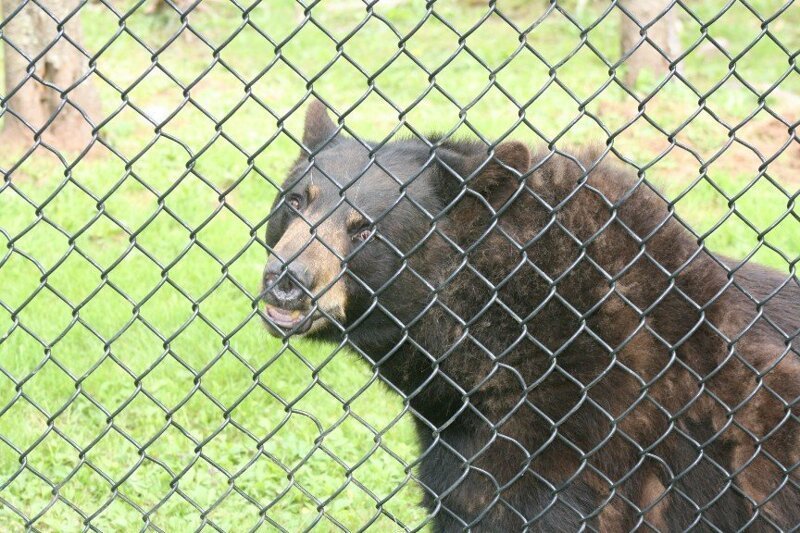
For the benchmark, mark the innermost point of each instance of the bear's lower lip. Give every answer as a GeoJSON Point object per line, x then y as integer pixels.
{"type": "Point", "coordinates": [289, 319]}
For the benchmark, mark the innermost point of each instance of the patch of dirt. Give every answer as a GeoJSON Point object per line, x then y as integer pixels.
{"type": "Point", "coordinates": [770, 137]}
{"type": "Point", "coordinates": [763, 134]}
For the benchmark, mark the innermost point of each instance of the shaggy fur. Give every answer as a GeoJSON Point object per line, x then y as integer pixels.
{"type": "Point", "coordinates": [573, 357]}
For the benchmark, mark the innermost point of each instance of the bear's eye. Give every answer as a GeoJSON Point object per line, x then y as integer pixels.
{"type": "Point", "coordinates": [295, 201]}
{"type": "Point", "coordinates": [361, 233]}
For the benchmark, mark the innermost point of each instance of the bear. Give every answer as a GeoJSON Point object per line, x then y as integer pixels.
{"type": "Point", "coordinates": [573, 356]}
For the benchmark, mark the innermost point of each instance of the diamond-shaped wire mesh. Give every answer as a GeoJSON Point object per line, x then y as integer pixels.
{"type": "Point", "coordinates": [577, 336]}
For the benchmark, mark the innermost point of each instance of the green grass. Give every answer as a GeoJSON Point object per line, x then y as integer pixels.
{"type": "Point", "coordinates": [138, 407]}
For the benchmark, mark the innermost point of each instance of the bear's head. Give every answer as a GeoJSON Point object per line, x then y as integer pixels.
{"type": "Point", "coordinates": [346, 233]}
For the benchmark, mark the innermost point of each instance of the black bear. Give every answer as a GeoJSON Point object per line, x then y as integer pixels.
{"type": "Point", "coordinates": [573, 356]}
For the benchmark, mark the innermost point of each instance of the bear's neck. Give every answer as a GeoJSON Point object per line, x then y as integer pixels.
{"type": "Point", "coordinates": [536, 290]}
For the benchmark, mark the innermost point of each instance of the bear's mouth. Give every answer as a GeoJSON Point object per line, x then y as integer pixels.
{"type": "Point", "coordinates": [290, 321]}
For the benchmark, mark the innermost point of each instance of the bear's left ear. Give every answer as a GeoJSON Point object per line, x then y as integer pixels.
{"type": "Point", "coordinates": [319, 129]}
{"type": "Point", "coordinates": [495, 178]}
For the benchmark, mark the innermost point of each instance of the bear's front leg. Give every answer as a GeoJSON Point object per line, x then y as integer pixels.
{"type": "Point", "coordinates": [474, 482]}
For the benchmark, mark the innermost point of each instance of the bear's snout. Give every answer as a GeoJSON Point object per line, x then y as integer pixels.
{"type": "Point", "coordinates": [286, 287]}
{"type": "Point", "coordinates": [286, 293]}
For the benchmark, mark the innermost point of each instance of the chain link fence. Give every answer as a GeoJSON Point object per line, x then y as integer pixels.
{"type": "Point", "coordinates": [463, 332]}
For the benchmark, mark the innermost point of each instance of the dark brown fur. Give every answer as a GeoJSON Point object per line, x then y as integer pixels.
{"type": "Point", "coordinates": [574, 357]}
{"type": "Point", "coordinates": [725, 388]}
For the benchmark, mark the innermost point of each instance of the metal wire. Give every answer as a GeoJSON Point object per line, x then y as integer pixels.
{"type": "Point", "coordinates": [110, 483]}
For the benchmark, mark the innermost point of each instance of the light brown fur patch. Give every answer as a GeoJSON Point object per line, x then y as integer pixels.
{"type": "Point", "coordinates": [320, 252]}
{"type": "Point", "coordinates": [650, 504]}
{"type": "Point", "coordinates": [354, 218]}
{"type": "Point", "coordinates": [313, 193]}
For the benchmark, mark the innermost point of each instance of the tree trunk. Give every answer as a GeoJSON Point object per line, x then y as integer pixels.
{"type": "Point", "coordinates": [159, 5]}
{"type": "Point", "coordinates": [36, 90]}
{"type": "Point", "coordinates": [664, 33]}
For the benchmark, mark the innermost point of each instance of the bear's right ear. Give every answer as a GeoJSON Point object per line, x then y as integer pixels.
{"type": "Point", "coordinates": [319, 129]}
{"type": "Point", "coordinates": [495, 178]}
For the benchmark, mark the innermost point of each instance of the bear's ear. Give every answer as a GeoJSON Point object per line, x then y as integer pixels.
{"type": "Point", "coordinates": [495, 178]}
{"type": "Point", "coordinates": [514, 154]}
{"type": "Point", "coordinates": [319, 128]}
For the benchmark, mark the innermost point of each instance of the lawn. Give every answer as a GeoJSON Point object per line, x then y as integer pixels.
{"type": "Point", "coordinates": [137, 385]}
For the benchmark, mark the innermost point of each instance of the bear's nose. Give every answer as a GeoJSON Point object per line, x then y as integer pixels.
{"type": "Point", "coordinates": [286, 285]}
